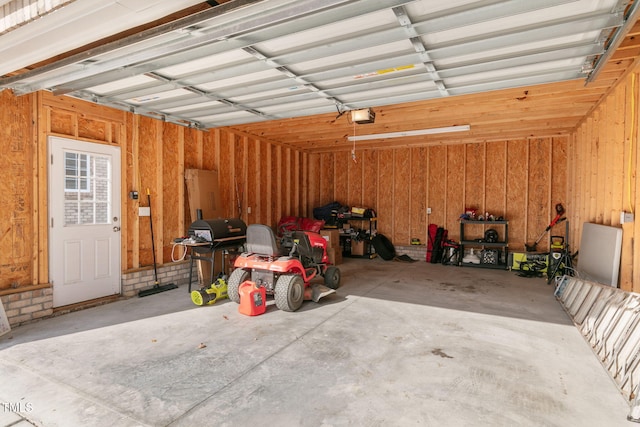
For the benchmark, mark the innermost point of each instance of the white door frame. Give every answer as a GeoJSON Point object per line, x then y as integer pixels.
{"type": "Point", "coordinates": [84, 259]}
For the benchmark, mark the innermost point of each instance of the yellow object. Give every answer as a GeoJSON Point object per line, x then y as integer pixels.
{"type": "Point", "coordinates": [217, 291]}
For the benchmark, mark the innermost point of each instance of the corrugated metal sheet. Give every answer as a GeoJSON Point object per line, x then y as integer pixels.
{"type": "Point", "coordinates": [248, 61]}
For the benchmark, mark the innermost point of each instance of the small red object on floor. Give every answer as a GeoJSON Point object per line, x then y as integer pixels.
{"type": "Point", "coordinates": [253, 299]}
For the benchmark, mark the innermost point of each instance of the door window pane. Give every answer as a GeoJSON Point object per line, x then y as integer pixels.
{"type": "Point", "coordinates": [87, 189]}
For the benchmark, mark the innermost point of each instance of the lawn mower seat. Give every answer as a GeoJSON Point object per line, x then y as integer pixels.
{"type": "Point", "coordinates": [261, 240]}
{"type": "Point", "coordinates": [308, 255]}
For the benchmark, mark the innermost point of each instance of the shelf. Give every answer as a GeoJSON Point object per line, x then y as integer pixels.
{"type": "Point", "coordinates": [502, 247]}
{"type": "Point", "coordinates": [485, 244]}
{"type": "Point", "coordinates": [365, 256]}
{"type": "Point", "coordinates": [499, 266]}
{"type": "Point", "coordinates": [473, 221]}
{"type": "Point", "coordinates": [367, 248]}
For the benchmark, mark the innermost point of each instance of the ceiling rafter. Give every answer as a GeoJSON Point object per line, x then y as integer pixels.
{"type": "Point", "coordinates": [420, 48]}
{"type": "Point", "coordinates": [295, 77]}
{"type": "Point", "coordinates": [104, 100]}
{"type": "Point", "coordinates": [212, 96]}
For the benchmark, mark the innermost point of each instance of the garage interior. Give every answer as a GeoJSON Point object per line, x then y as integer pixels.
{"type": "Point", "coordinates": [519, 106]}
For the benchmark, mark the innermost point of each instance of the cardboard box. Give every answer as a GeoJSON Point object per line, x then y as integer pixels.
{"type": "Point", "coordinates": [203, 193]}
{"type": "Point", "coordinates": [335, 255]}
{"type": "Point", "coordinates": [523, 260]}
{"type": "Point", "coordinates": [332, 236]}
{"type": "Point", "coordinates": [357, 247]}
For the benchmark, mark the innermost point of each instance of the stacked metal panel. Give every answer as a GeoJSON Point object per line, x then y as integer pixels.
{"type": "Point", "coordinates": [609, 319]}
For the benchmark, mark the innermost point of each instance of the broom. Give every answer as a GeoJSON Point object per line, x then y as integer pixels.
{"type": "Point", "coordinates": [156, 289]}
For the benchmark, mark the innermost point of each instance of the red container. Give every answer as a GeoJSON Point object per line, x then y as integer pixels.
{"type": "Point", "coordinates": [253, 299]}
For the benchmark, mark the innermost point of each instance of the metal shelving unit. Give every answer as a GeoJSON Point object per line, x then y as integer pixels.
{"type": "Point", "coordinates": [345, 239]}
{"type": "Point", "coordinates": [502, 248]}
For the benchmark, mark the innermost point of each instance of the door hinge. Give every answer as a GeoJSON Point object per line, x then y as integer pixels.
{"type": "Point", "coordinates": [52, 159]}
{"type": "Point", "coordinates": [51, 222]}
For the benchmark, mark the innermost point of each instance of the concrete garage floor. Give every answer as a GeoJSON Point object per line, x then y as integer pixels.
{"type": "Point", "coordinates": [400, 344]}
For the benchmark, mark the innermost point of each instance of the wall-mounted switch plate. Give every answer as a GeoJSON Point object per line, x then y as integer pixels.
{"type": "Point", "coordinates": [144, 211]}
{"type": "Point", "coordinates": [626, 217]}
{"type": "Point", "coordinates": [428, 211]}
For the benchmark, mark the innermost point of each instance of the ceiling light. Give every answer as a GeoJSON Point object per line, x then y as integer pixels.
{"type": "Point", "coordinates": [363, 116]}
{"type": "Point", "coordinates": [432, 131]}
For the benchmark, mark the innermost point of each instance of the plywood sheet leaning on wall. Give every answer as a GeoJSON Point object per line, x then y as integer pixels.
{"type": "Point", "coordinates": [203, 193]}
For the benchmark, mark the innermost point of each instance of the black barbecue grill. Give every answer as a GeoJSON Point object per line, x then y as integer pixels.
{"type": "Point", "coordinates": [219, 231]}
{"type": "Point", "coordinates": [211, 235]}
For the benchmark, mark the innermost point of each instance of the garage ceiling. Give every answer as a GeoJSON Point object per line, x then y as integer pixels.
{"type": "Point", "coordinates": [249, 62]}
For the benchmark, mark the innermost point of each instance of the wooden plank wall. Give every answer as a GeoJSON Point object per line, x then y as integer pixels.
{"type": "Point", "coordinates": [592, 172]}
{"type": "Point", "coordinates": [603, 181]}
{"type": "Point", "coordinates": [521, 180]}
{"type": "Point", "coordinates": [18, 228]}
{"type": "Point", "coordinates": [261, 175]}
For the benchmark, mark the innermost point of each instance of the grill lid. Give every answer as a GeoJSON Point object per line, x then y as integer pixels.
{"type": "Point", "coordinates": [212, 230]}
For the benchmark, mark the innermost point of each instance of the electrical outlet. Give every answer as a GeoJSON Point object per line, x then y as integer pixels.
{"type": "Point", "coordinates": [428, 211]}
{"type": "Point", "coordinates": [248, 209]}
{"type": "Point", "coordinates": [626, 217]}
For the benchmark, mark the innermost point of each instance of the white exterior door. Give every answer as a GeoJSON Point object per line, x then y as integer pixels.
{"type": "Point", "coordinates": [84, 220]}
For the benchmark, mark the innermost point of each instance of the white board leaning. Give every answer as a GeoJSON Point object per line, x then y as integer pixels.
{"type": "Point", "coordinates": [4, 322]}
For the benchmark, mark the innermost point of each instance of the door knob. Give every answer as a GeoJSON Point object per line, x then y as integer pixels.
{"type": "Point", "coordinates": [116, 228]}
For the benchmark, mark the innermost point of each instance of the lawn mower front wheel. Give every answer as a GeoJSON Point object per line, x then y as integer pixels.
{"type": "Point", "coordinates": [289, 292]}
{"type": "Point", "coordinates": [237, 277]}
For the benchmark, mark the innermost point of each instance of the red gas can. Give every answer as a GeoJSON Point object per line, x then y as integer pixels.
{"type": "Point", "coordinates": [253, 299]}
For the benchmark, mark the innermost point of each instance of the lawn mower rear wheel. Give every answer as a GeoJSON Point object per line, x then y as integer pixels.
{"type": "Point", "coordinates": [289, 293]}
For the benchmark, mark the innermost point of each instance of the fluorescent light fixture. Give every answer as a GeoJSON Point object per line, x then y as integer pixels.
{"type": "Point", "coordinates": [363, 116]}
{"type": "Point", "coordinates": [432, 131]}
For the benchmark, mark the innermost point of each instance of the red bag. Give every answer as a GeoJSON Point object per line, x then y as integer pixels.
{"type": "Point", "coordinates": [433, 229]}
{"type": "Point", "coordinates": [294, 223]}
{"type": "Point", "coordinates": [308, 224]}
{"type": "Point", "coordinates": [287, 223]}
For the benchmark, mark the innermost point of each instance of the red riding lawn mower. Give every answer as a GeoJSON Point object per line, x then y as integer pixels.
{"type": "Point", "coordinates": [286, 271]}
